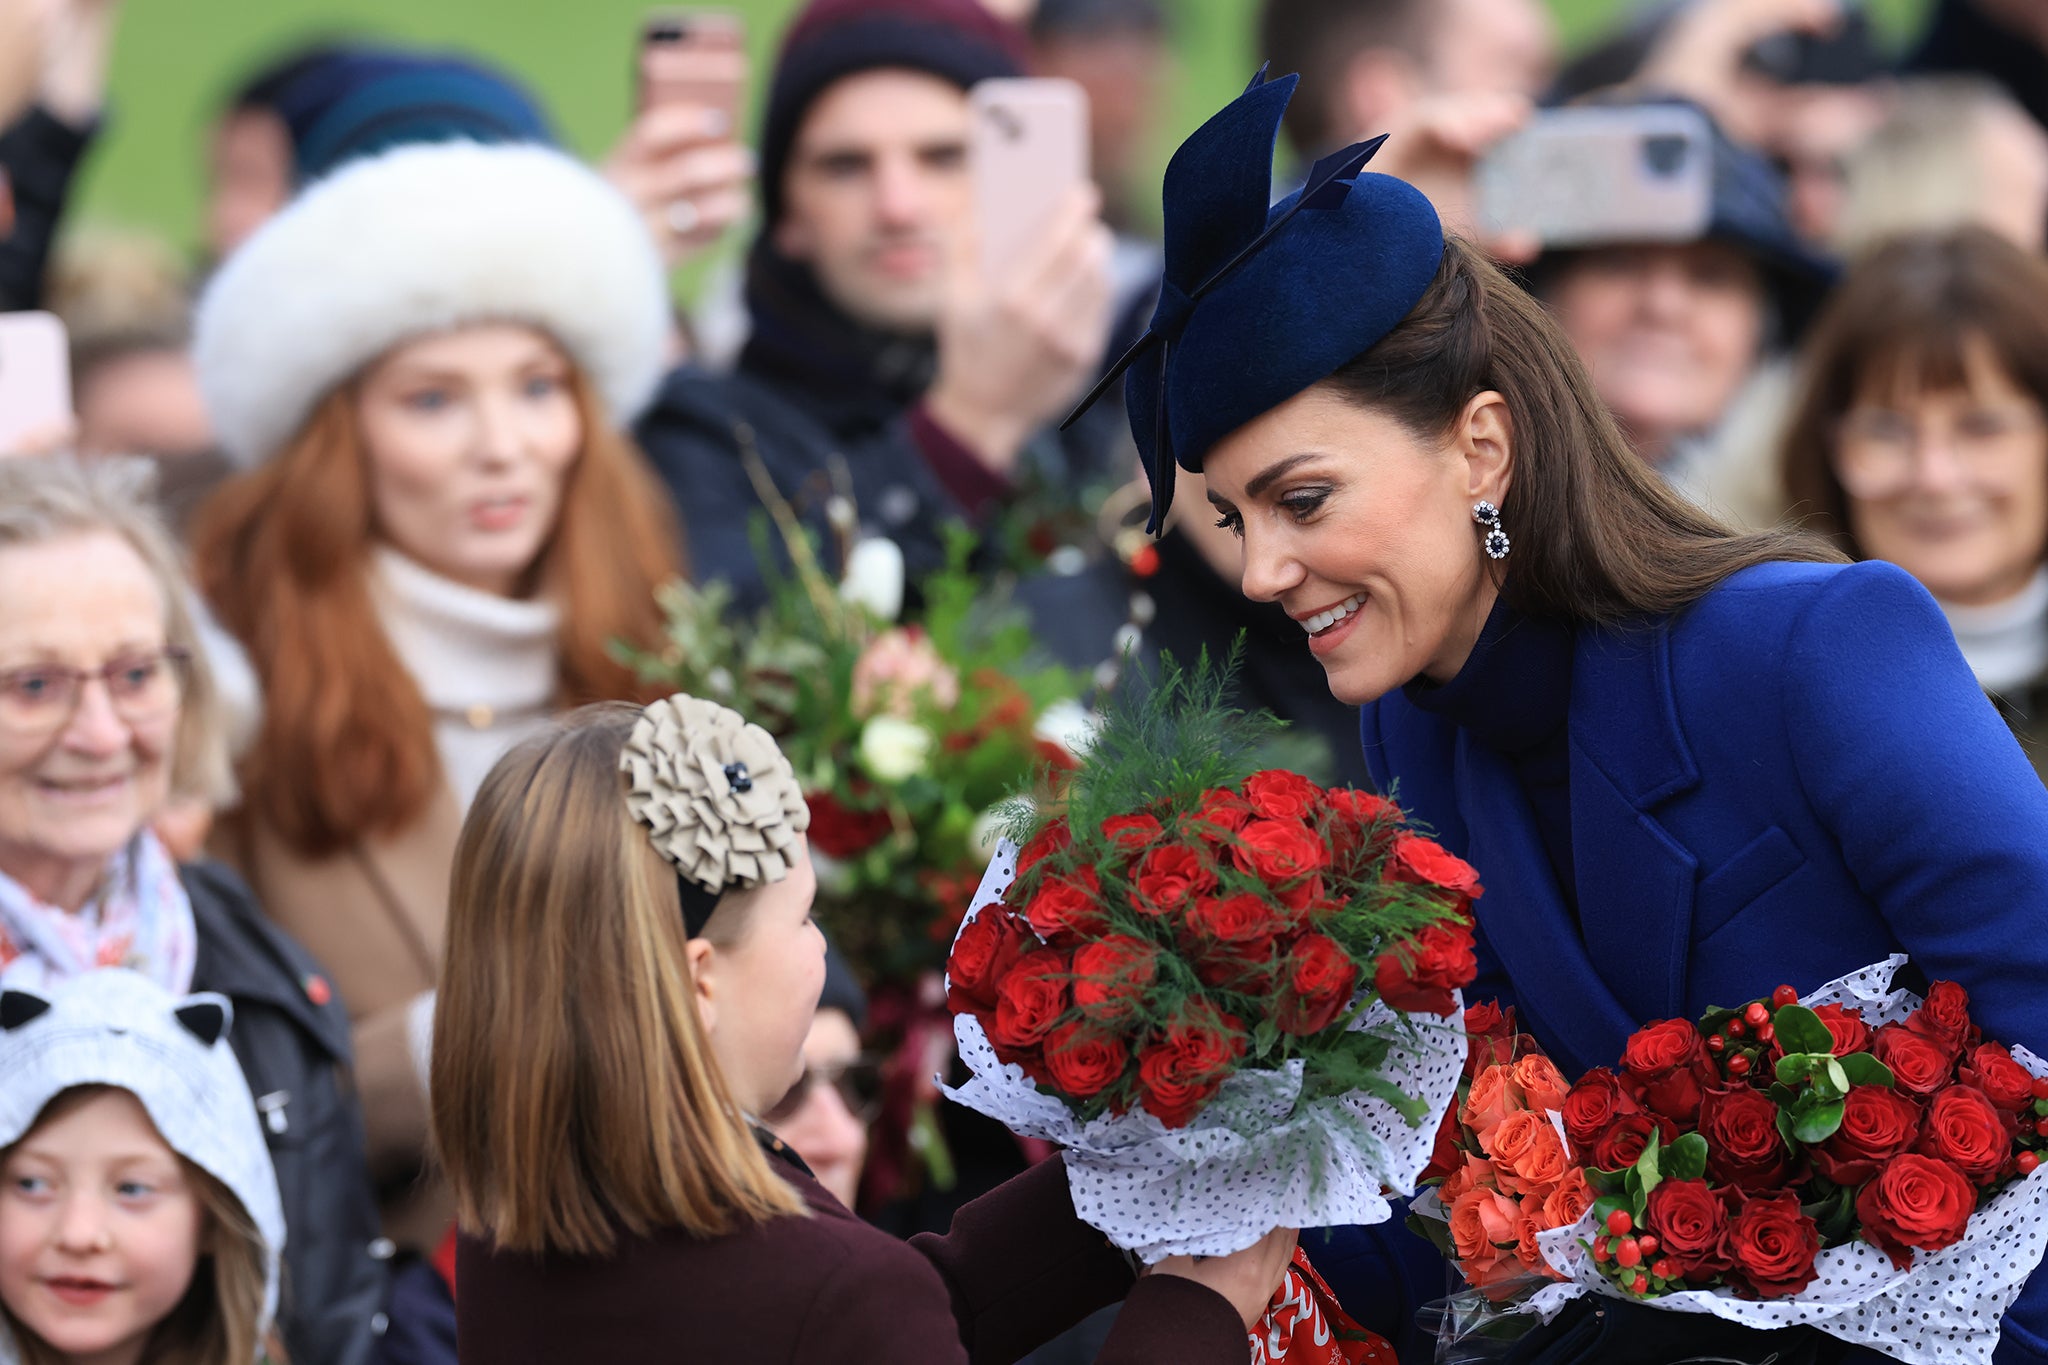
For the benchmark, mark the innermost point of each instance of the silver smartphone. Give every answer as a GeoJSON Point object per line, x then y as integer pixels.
{"type": "Point", "coordinates": [1587, 176]}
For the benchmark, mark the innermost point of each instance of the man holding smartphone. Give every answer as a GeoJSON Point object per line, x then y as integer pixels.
{"type": "Point", "coordinates": [881, 363]}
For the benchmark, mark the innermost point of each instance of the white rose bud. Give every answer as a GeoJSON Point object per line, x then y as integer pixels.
{"type": "Point", "coordinates": [893, 749]}
{"type": "Point", "coordinates": [874, 577]}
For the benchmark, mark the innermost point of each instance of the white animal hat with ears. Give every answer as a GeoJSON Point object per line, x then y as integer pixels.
{"type": "Point", "coordinates": [119, 1028]}
{"type": "Point", "coordinates": [421, 239]}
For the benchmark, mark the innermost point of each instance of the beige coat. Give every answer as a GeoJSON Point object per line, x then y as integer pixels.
{"type": "Point", "coordinates": [376, 918]}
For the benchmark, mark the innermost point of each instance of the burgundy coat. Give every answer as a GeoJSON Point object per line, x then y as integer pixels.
{"type": "Point", "coordinates": [1017, 1269]}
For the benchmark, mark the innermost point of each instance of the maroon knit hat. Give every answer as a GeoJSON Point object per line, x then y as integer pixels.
{"type": "Point", "coordinates": [957, 40]}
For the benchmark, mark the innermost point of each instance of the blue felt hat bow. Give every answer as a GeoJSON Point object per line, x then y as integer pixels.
{"type": "Point", "coordinates": [1261, 300]}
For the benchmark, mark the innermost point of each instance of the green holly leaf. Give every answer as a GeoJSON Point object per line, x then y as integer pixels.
{"type": "Point", "coordinates": [1646, 1174]}
{"type": "Point", "coordinates": [1605, 1183]}
{"type": "Point", "coordinates": [1818, 1123]}
{"type": "Point", "coordinates": [1795, 1067]}
{"type": "Point", "coordinates": [1685, 1159]}
{"type": "Point", "coordinates": [1863, 1069]}
{"type": "Point", "coordinates": [1785, 1126]}
{"type": "Point", "coordinates": [1799, 1029]}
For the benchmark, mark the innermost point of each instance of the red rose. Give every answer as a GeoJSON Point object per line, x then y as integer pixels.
{"type": "Point", "coordinates": [1112, 976]}
{"type": "Point", "coordinates": [1625, 1139]}
{"type": "Point", "coordinates": [1877, 1124]}
{"type": "Point", "coordinates": [1591, 1107]}
{"type": "Point", "coordinates": [1054, 838]}
{"type": "Point", "coordinates": [1743, 1145]}
{"type": "Point", "coordinates": [1029, 1000]}
{"type": "Point", "coordinates": [1084, 1061]}
{"type": "Point", "coordinates": [1188, 1062]}
{"type": "Point", "coordinates": [1691, 1221]}
{"type": "Point", "coordinates": [1774, 1244]}
{"type": "Point", "coordinates": [1167, 877]}
{"type": "Point", "coordinates": [1418, 976]}
{"type": "Point", "coordinates": [1280, 795]}
{"type": "Point", "coordinates": [1915, 1202]}
{"type": "Point", "coordinates": [1222, 811]}
{"type": "Point", "coordinates": [1303, 900]}
{"type": "Point", "coordinates": [1279, 851]}
{"type": "Point", "coordinates": [1945, 1017]}
{"type": "Point", "coordinates": [1990, 1068]}
{"type": "Point", "coordinates": [1964, 1128]}
{"type": "Point", "coordinates": [1067, 908]}
{"type": "Point", "coordinates": [1353, 819]}
{"type": "Point", "coordinates": [1232, 937]}
{"type": "Point", "coordinates": [838, 832]}
{"type": "Point", "coordinates": [1489, 1035]}
{"type": "Point", "coordinates": [988, 946]}
{"type": "Point", "coordinates": [1427, 863]}
{"type": "Point", "coordinates": [1846, 1027]}
{"type": "Point", "coordinates": [1321, 980]}
{"type": "Point", "coordinates": [1129, 833]}
{"type": "Point", "coordinates": [1669, 1062]}
{"type": "Point", "coordinates": [1920, 1064]}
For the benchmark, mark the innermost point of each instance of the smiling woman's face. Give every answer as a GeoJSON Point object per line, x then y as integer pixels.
{"type": "Point", "coordinates": [1363, 532]}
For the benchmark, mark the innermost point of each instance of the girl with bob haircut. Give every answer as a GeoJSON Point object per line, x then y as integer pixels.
{"type": "Point", "coordinates": [632, 970]}
{"type": "Point", "coordinates": [139, 1218]}
{"type": "Point", "coordinates": [1690, 764]}
{"type": "Point", "coordinates": [1919, 435]}
{"type": "Point", "coordinates": [425, 366]}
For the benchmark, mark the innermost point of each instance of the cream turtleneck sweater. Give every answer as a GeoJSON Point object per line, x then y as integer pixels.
{"type": "Point", "coordinates": [486, 664]}
{"type": "Point", "coordinates": [2006, 643]}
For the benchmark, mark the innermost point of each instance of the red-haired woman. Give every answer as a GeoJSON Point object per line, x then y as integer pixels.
{"type": "Point", "coordinates": [423, 366]}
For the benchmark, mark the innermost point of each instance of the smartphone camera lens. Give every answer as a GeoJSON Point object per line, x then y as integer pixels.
{"type": "Point", "coordinates": [1665, 154]}
{"type": "Point", "coordinates": [1006, 122]}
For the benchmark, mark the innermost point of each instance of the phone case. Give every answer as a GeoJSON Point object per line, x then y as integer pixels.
{"type": "Point", "coordinates": [1030, 148]}
{"type": "Point", "coordinates": [35, 376]}
{"type": "Point", "coordinates": [693, 57]}
{"type": "Point", "coordinates": [1582, 177]}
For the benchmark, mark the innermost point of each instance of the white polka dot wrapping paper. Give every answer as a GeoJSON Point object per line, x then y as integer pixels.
{"type": "Point", "coordinates": [1254, 1159]}
{"type": "Point", "coordinates": [1946, 1308]}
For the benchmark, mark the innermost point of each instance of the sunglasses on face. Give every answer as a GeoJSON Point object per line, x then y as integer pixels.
{"type": "Point", "coordinates": [858, 1081]}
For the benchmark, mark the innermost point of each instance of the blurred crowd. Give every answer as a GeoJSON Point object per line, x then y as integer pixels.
{"type": "Point", "coordinates": [333, 515]}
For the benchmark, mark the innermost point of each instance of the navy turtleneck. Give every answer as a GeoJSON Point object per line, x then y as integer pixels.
{"type": "Point", "coordinates": [1514, 695]}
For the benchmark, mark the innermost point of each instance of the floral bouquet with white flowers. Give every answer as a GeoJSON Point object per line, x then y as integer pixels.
{"type": "Point", "coordinates": [905, 738]}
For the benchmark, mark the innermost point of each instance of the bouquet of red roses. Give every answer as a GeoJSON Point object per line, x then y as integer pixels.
{"type": "Point", "coordinates": [1862, 1161]}
{"type": "Point", "coordinates": [1221, 990]}
{"type": "Point", "coordinates": [1501, 1172]}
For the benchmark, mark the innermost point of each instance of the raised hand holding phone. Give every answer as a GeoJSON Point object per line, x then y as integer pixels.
{"type": "Point", "coordinates": [681, 161]}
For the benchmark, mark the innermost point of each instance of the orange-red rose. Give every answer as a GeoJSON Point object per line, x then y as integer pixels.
{"type": "Point", "coordinates": [1029, 1000]}
{"type": "Point", "coordinates": [1321, 979]}
{"type": "Point", "coordinates": [1111, 977]}
{"type": "Point", "coordinates": [1181, 1068]}
{"type": "Point", "coordinates": [1991, 1068]}
{"type": "Point", "coordinates": [1920, 1064]}
{"type": "Point", "coordinates": [1281, 795]}
{"type": "Point", "coordinates": [1068, 907]}
{"type": "Point", "coordinates": [1167, 878]}
{"type": "Point", "coordinates": [1278, 852]}
{"type": "Point", "coordinates": [1084, 1061]}
{"type": "Point", "coordinates": [987, 948]}
{"type": "Point", "coordinates": [1419, 976]}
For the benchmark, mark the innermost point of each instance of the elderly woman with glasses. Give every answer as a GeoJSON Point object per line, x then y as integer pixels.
{"type": "Point", "coordinates": [1919, 438]}
{"type": "Point", "coordinates": [106, 710]}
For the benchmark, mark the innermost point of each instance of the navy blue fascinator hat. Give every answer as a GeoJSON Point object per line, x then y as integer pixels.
{"type": "Point", "coordinates": [1262, 300]}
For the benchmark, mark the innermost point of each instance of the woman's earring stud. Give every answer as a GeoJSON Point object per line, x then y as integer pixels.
{"type": "Point", "coordinates": [1496, 542]}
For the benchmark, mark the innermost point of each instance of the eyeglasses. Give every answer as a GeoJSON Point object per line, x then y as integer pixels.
{"type": "Point", "coordinates": [1879, 452]}
{"type": "Point", "coordinates": [38, 700]}
{"type": "Point", "coordinates": [859, 1083]}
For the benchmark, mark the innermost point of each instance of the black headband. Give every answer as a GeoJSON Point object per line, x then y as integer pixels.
{"type": "Point", "coordinates": [698, 903]}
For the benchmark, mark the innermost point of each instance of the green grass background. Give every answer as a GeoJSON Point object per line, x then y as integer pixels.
{"type": "Point", "coordinates": [175, 60]}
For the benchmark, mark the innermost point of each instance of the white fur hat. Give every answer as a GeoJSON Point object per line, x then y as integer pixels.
{"type": "Point", "coordinates": [121, 1029]}
{"type": "Point", "coordinates": [420, 239]}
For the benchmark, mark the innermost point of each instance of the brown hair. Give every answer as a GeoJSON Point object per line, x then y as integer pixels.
{"type": "Point", "coordinates": [574, 1089]}
{"type": "Point", "coordinates": [1902, 321]}
{"type": "Point", "coordinates": [1598, 536]}
{"type": "Point", "coordinates": [43, 499]}
{"type": "Point", "coordinates": [216, 1322]}
{"type": "Point", "coordinates": [347, 743]}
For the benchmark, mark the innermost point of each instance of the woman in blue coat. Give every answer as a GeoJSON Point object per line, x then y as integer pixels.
{"type": "Point", "coordinates": [1689, 764]}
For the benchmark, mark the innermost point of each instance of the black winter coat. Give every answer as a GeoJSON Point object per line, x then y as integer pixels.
{"type": "Point", "coordinates": [295, 1055]}
{"type": "Point", "coordinates": [40, 154]}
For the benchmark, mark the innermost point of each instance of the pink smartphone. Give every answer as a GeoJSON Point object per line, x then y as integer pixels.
{"type": "Point", "coordinates": [35, 377]}
{"type": "Point", "coordinates": [1029, 150]}
{"type": "Point", "coordinates": [691, 56]}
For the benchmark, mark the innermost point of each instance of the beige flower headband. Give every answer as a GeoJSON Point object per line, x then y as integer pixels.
{"type": "Point", "coordinates": [717, 796]}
